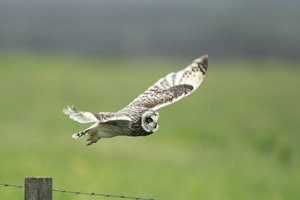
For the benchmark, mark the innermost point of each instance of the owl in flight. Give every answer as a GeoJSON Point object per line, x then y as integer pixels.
{"type": "Point", "coordinates": [140, 117]}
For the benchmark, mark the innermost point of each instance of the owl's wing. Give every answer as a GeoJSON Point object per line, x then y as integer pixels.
{"type": "Point", "coordinates": [88, 117]}
{"type": "Point", "coordinates": [173, 87]}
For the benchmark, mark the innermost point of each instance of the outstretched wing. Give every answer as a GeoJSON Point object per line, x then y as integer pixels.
{"type": "Point", "coordinates": [88, 117]}
{"type": "Point", "coordinates": [173, 87]}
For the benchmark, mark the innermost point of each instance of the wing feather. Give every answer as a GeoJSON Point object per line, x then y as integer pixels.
{"type": "Point", "coordinates": [88, 117]}
{"type": "Point", "coordinates": [173, 86]}
{"type": "Point", "coordinates": [80, 116]}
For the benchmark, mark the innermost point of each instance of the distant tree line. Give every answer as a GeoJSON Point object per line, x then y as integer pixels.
{"type": "Point", "coordinates": [225, 29]}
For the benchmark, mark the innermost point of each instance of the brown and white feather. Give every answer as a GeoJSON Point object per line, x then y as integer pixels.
{"type": "Point", "coordinates": [88, 117]}
{"type": "Point", "coordinates": [172, 87]}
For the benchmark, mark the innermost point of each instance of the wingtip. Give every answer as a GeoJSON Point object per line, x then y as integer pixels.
{"type": "Point", "coordinates": [69, 109]}
{"type": "Point", "coordinates": [75, 136]}
{"type": "Point", "coordinates": [205, 56]}
{"type": "Point", "coordinates": [66, 111]}
{"type": "Point", "coordinates": [204, 60]}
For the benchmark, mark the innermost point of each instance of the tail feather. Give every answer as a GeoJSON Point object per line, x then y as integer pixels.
{"type": "Point", "coordinates": [80, 134]}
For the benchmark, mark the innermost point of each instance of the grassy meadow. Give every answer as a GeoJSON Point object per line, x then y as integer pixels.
{"type": "Point", "coordinates": [237, 137]}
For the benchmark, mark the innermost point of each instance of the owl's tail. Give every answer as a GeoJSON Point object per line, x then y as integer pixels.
{"type": "Point", "coordinates": [80, 134]}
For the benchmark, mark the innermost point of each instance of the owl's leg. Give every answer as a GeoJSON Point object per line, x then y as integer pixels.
{"type": "Point", "coordinates": [91, 132]}
{"type": "Point", "coordinates": [92, 138]}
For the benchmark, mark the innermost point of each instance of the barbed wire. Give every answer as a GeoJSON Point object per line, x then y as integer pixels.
{"type": "Point", "coordinates": [81, 193]}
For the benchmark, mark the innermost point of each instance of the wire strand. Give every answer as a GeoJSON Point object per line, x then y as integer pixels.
{"type": "Point", "coordinates": [81, 193]}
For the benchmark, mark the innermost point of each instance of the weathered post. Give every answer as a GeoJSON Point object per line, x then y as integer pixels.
{"type": "Point", "coordinates": [38, 188]}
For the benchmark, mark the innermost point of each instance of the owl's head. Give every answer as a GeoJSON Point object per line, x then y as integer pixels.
{"type": "Point", "coordinates": [150, 121]}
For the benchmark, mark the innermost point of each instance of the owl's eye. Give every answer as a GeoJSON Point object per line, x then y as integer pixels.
{"type": "Point", "coordinates": [149, 120]}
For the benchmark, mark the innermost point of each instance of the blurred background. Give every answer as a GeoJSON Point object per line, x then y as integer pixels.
{"type": "Point", "coordinates": [237, 137]}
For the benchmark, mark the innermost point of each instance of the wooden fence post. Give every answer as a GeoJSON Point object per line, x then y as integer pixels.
{"type": "Point", "coordinates": [38, 188]}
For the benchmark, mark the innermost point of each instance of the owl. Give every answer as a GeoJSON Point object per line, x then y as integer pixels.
{"type": "Point", "coordinates": [140, 117]}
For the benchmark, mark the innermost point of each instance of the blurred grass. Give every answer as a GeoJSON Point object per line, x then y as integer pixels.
{"type": "Point", "coordinates": [237, 137]}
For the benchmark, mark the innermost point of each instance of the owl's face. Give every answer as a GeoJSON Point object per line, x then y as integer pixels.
{"type": "Point", "coordinates": [150, 121]}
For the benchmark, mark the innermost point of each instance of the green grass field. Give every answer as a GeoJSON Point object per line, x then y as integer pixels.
{"type": "Point", "coordinates": [237, 137]}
